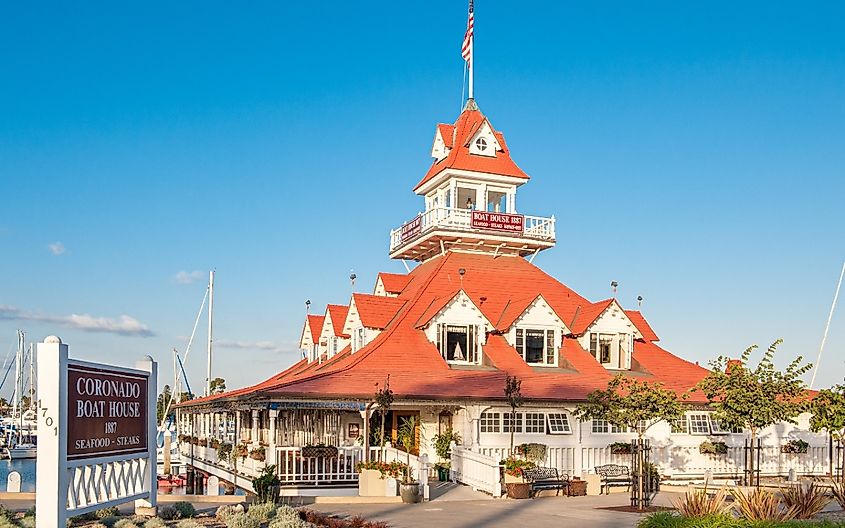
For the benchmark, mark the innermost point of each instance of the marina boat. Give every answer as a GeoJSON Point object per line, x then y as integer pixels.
{"type": "Point", "coordinates": [19, 429]}
{"type": "Point", "coordinates": [20, 451]}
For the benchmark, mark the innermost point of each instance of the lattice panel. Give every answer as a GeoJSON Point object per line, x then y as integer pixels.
{"type": "Point", "coordinates": [93, 484]}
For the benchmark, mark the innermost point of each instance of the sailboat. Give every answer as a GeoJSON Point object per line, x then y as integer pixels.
{"type": "Point", "coordinates": [20, 428]}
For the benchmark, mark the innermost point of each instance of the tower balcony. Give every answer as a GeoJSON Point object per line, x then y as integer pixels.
{"type": "Point", "coordinates": [447, 228]}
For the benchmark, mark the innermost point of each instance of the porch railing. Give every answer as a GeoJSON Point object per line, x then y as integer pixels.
{"type": "Point", "coordinates": [293, 468]}
{"type": "Point", "coordinates": [537, 227]}
{"type": "Point", "coordinates": [481, 472]}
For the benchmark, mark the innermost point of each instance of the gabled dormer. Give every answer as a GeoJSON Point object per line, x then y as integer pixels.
{"type": "Point", "coordinates": [535, 330]}
{"type": "Point", "coordinates": [332, 337]}
{"type": "Point", "coordinates": [368, 315]}
{"type": "Point", "coordinates": [607, 333]}
{"type": "Point", "coordinates": [309, 340]}
{"type": "Point", "coordinates": [483, 142]}
{"type": "Point", "coordinates": [444, 138]}
{"type": "Point", "coordinates": [391, 284]}
{"type": "Point", "coordinates": [457, 327]}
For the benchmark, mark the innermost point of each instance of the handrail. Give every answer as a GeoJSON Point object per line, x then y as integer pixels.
{"type": "Point", "coordinates": [537, 227]}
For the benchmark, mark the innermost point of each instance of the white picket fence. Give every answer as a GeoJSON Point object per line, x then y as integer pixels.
{"type": "Point", "coordinates": [680, 462]}
{"type": "Point", "coordinates": [477, 470]}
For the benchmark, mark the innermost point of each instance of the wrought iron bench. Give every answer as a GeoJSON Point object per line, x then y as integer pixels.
{"type": "Point", "coordinates": [543, 478]}
{"type": "Point", "coordinates": [613, 475]}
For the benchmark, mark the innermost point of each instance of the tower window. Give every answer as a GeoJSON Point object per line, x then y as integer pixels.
{"type": "Point", "coordinates": [481, 144]}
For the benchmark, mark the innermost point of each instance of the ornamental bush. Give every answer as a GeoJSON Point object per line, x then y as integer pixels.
{"type": "Point", "coordinates": [125, 523]}
{"type": "Point", "coordinates": [187, 523]}
{"type": "Point", "coordinates": [242, 520]}
{"type": "Point", "coordinates": [263, 511]}
{"type": "Point", "coordinates": [186, 509]}
{"type": "Point", "coordinates": [393, 469]}
{"type": "Point", "coordinates": [155, 522]}
{"type": "Point", "coordinates": [169, 513]}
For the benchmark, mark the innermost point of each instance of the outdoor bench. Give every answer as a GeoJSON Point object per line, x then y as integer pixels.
{"type": "Point", "coordinates": [544, 478]}
{"type": "Point", "coordinates": [613, 475]}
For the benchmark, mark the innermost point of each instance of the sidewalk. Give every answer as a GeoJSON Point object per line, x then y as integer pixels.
{"type": "Point", "coordinates": [541, 512]}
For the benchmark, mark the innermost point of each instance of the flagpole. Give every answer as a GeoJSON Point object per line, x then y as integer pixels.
{"type": "Point", "coordinates": [472, 50]}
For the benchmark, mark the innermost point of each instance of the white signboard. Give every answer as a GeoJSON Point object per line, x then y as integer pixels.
{"type": "Point", "coordinates": [96, 435]}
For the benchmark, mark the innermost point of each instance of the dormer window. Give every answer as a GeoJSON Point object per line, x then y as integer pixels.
{"type": "Point", "coordinates": [536, 346]}
{"type": "Point", "coordinates": [359, 338]}
{"type": "Point", "coordinates": [481, 144]}
{"type": "Point", "coordinates": [458, 343]}
{"type": "Point", "coordinates": [600, 347]}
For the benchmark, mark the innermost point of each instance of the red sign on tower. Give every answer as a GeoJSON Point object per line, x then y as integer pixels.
{"type": "Point", "coordinates": [512, 223]}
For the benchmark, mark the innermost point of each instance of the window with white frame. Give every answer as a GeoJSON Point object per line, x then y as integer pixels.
{"type": "Point", "coordinates": [602, 426]}
{"type": "Point", "coordinates": [720, 428]}
{"type": "Point", "coordinates": [699, 424]}
{"type": "Point", "coordinates": [535, 422]}
{"type": "Point", "coordinates": [360, 338]}
{"type": "Point", "coordinates": [334, 345]}
{"type": "Point", "coordinates": [680, 426]}
{"type": "Point", "coordinates": [558, 423]}
{"type": "Point", "coordinates": [458, 343]}
{"type": "Point", "coordinates": [601, 346]}
{"type": "Point", "coordinates": [490, 422]}
{"type": "Point", "coordinates": [507, 420]}
{"type": "Point", "coordinates": [537, 347]}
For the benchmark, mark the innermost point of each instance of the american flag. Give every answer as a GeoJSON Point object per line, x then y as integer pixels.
{"type": "Point", "coordinates": [466, 49]}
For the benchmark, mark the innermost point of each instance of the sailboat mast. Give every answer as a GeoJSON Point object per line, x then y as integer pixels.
{"type": "Point", "coordinates": [210, 333]}
{"type": "Point", "coordinates": [18, 394]}
{"type": "Point", "coordinates": [31, 377]}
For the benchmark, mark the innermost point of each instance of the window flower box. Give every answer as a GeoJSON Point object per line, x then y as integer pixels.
{"type": "Point", "coordinates": [621, 448]}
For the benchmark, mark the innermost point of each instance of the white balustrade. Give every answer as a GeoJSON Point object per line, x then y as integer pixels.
{"type": "Point", "coordinates": [536, 227]}
{"type": "Point", "coordinates": [293, 468]}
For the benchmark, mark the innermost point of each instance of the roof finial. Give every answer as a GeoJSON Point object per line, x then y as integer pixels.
{"type": "Point", "coordinates": [467, 48]}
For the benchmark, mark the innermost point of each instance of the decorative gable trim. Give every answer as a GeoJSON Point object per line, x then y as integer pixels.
{"type": "Point", "coordinates": [439, 150]}
{"type": "Point", "coordinates": [490, 141]}
{"type": "Point", "coordinates": [614, 309]}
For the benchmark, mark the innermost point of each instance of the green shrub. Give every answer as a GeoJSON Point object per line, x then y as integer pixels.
{"type": "Point", "coordinates": [155, 522]}
{"type": "Point", "coordinates": [186, 509]}
{"type": "Point", "coordinates": [187, 523]}
{"type": "Point", "coordinates": [242, 520]}
{"type": "Point", "coordinates": [111, 511]}
{"type": "Point", "coordinates": [169, 513]}
{"type": "Point", "coordinates": [698, 503]}
{"type": "Point", "coordinates": [761, 505]}
{"type": "Point", "coordinates": [263, 512]}
{"type": "Point", "coordinates": [27, 522]}
{"type": "Point", "coordinates": [6, 522]}
{"type": "Point", "coordinates": [30, 512]}
{"type": "Point", "coordinates": [807, 501]}
{"type": "Point", "coordinates": [288, 523]}
{"type": "Point", "coordinates": [109, 521]}
{"type": "Point", "coordinates": [6, 513]}
{"type": "Point", "coordinates": [125, 523]}
{"type": "Point", "coordinates": [266, 485]}
{"type": "Point", "coordinates": [226, 511]}
{"type": "Point", "coordinates": [287, 514]}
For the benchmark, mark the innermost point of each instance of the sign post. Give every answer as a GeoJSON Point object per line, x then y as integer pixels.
{"type": "Point", "coordinates": [97, 435]}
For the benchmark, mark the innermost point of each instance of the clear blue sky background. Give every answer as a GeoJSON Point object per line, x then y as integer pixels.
{"type": "Point", "coordinates": [694, 153]}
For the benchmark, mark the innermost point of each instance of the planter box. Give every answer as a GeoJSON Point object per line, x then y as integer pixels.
{"type": "Point", "coordinates": [510, 479]}
{"type": "Point", "coordinates": [518, 490]}
{"type": "Point", "coordinates": [370, 484]}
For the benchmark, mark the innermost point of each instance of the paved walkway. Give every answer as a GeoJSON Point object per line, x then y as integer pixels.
{"type": "Point", "coordinates": [500, 513]}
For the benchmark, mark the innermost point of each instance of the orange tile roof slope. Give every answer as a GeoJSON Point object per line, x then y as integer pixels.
{"type": "Point", "coordinates": [587, 316]}
{"type": "Point", "coordinates": [315, 324]}
{"type": "Point", "coordinates": [338, 314]}
{"type": "Point", "coordinates": [459, 157]}
{"type": "Point", "coordinates": [642, 325]}
{"type": "Point", "coordinates": [417, 369]}
{"type": "Point", "coordinates": [394, 282]}
{"type": "Point", "coordinates": [376, 311]}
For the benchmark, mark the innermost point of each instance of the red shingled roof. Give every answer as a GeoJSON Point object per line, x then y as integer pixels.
{"type": "Point", "coordinates": [587, 316]}
{"type": "Point", "coordinates": [376, 311]}
{"type": "Point", "coordinates": [315, 325]}
{"type": "Point", "coordinates": [338, 314]}
{"type": "Point", "coordinates": [394, 282]}
{"type": "Point", "coordinates": [642, 325]}
{"type": "Point", "coordinates": [418, 371]}
{"type": "Point", "coordinates": [468, 123]}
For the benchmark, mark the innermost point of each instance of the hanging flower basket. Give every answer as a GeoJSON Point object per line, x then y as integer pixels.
{"type": "Point", "coordinates": [621, 448]}
{"type": "Point", "coordinates": [795, 447]}
{"type": "Point", "coordinates": [713, 448]}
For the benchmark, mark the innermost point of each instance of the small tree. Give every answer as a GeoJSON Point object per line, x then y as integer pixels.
{"type": "Point", "coordinates": [217, 386]}
{"type": "Point", "coordinates": [635, 404]}
{"type": "Point", "coordinates": [513, 394]}
{"type": "Point", "coordinates": [384, 399]}
{"type": "Point", "coordinates": [828, 410]}
{"type": "Point", "coordinates": [755, 398]}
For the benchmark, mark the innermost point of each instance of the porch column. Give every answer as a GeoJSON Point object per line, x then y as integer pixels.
{"type": "Point", "coordinates": [254, 435]}
{"type": "Point", "coordinates": [237, 437]}
{"type": "Point", "coordinates": [271, 455]}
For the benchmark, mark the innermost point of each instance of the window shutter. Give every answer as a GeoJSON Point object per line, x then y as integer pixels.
{"type": "Point", "coordinates": [520, 341]}
{"type": "Point", "coordinates": [550, 346]}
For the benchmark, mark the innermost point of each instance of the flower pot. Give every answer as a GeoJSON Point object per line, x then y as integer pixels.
{"type": "Point", "coordinates": [410, 493]}
{"type": "Point", "coordinates": [518, 490]}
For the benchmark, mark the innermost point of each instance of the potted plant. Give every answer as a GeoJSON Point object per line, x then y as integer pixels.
{"type": "Point", "coordinates": [258, 454]}
{"type": "Point", "coordinates": [515, 484]}
{"type": "Point", "coordinates": [266, 485]}
{"type": "Point", "coordinates": [443, 449]}
{"type": "Point", "coordinates": [409, 488]}
{"type": "Point", "coordinates": [224, 451]}
{"type": "Point", "coordinates": [713, 448]}
{"type": "Point", "coordinates": [533, 452]}
{"type": "Point", "coordinates": [214, 443]}
{"type": "Point", "coordinates": [319, 451]}
{"type": "Point", "coordinates": [795, 447]}
{"type": "Point", "coordinates": [378, 479]}
{"type": "Point", "coordinates": [620, 448]}
{"type": "Point", "coordinates": [203, 442]}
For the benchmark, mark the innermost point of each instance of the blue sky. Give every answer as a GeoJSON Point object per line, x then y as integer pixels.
{"type": "Point", "coordinates": [694, 153]}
